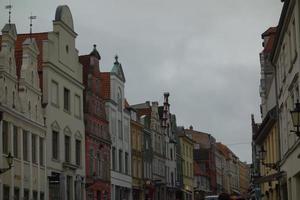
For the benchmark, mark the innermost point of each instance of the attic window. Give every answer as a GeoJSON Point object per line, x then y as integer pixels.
{"type": "Point", "coordinates": [67, 48]}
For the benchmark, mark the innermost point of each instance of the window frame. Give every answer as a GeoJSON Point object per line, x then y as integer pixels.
{"type": "Point", "coordinates": [67, 101]}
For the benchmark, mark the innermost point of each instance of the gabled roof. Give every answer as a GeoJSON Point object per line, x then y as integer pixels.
{"type": "Point", "coordinates": [142, 109]}
{"type": "Point", "coordinates": [118, 70]}
{"type": "Point", "coordinates": [11, 29]}
{"type": "Point", "coordinates": [39, 38]}
{"type": "Point", "coordinates": [105, 85]}
{"type": "Point", "coordinates": [95, 53]}
{"type": "Point", "coordinates": [271, 33]}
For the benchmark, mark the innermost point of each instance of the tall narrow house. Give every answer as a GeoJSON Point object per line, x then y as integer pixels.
{"type": "Point", "coordinates": [159, 149]}
{"type": "Point", "coordinates": [22, 127]}
{"type": "Point", "coordinates": [113, 91]}
{"type": "Point", "coordinates": [170, 151]}
{"type": "Point", "coordinates": [48, 60]}
{"type": "Point", "coordinates": [97, 138]}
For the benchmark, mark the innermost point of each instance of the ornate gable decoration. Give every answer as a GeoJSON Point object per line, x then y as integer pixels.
{"type": "Point", "coordinates": [78, 135]}
{"type": "Point", "coordinates": [55, 126]}
{"type": "Point", "coordinates": [63, 14]}
{"type": "Point", "coordinates": [29, 72]}
{"type": "Point", "coordinates": [11, 30]}
{"type": "Point", "coordinates": [118, 70]}
{"type": "Point", "coordinates": [67, 131]}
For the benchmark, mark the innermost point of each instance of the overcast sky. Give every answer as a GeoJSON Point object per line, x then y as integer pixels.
{"type": "Point", "coordinates": [205, 53]}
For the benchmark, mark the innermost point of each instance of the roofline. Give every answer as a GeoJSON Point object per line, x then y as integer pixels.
{"type": "Point", "coordinates": [278, 38]}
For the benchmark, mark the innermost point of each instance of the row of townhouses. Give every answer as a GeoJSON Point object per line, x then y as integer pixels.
{"type": "Point", "coordinates": [275, 171]}
{"type": "Point", "coordinates": [67, 131]}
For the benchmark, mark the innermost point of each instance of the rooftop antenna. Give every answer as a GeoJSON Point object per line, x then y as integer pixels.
{"type": "Point", "coordinates": [9, 7]}
{"type": "Point", "coordinates": [31, 18]}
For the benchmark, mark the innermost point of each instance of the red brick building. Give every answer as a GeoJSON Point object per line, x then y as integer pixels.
{"type": "Point", "coordinates": [97, 137]}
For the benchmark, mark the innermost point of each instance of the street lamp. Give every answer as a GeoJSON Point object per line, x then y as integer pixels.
{"type": "Point", "coordinates": [263, 154]}
{"type": "Point", "coordinates": [296, 118]}
{"type": "Point", "coordinates": [10, 160]}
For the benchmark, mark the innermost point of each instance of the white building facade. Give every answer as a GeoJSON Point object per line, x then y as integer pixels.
{"type": "Point", "coordinates": [62, 91]}
{"type": "Point", "coordinates": [22, 128]}
{"type": "Point", "coordinates": [119, 127]}
{"type": "Point", "coordinates": [285, 58]}
{"type": "Point", "coordinates": [170, 168]}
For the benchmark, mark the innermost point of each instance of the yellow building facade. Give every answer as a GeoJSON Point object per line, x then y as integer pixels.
{"type": "Point", "coordinates": [267, 140]}
{"type": "Point", "coordinates": [136, 157]}
{"type": "Point", "coordinates": [187, 146]}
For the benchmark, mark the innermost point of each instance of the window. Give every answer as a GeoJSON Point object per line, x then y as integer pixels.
{"type": "Point", "coordinates": [6, 96]}
{"type": "Point", "coordinates": [97, 172]}
{"type": "Point", "coordinates": [67, 148]}
{"type": "Point", "coordinates": [69, 187]}
{"type": "Point", "coordinates": [114, 158]}
{"type": "Point", "coordinates": [26, 194]}
{"type": "Point", "coordinates": [77, 104]}
{"type": "Point", "coordinates": [34, 150]}
{"type": "Point", "coordinates": [16, 193]}
{"type": "Point", "coordinates": [78, 152]}
{"type": "Point", "coordinates": [126, 132]}
{"type": "Point", "coordinates": [171, 154]}
{"type": "Point", "coordinates": [41, 140]}
{"type": "Point", "coordinates": [120, 129]}
{"type": "Point", "coordinates": [91, 162]}
{"type": "Point", "coordinates": [5, 192]}
{"type": "Point", "coordinates": [119, 100]}
{"type": "Point", "coordinates": [25, 145]}
{"type": "Point", "coordinates": [32, 75]}
{"type": "Point", "coordinates": [55, 144]}
{"type": "Point", "coordinates": [54, 93]}
{"type": "Point", "coordinates": [67, 99]}
{"type": "Point", "coordinates": [120, 161]}
{"type": "Point", "coordinates": [35, 195]}
{"type": "Point", "coordinates": [42, 196]}
{"type": "Point", "coordinates": [13, 100]}
{"type": "Point", "coordinates": [5, 137]}
{"type": "Point", "coordinates": [126, 163]}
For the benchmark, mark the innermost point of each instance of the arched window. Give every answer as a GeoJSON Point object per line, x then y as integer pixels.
{"type": "Point", "coordinates": [36, 112]}
{"type": "Point", "coordinates": [29, 109]}
{"type": "Point", "coordinates": [119, 100]}
{"type": "Point", "coordinates": [91, 162]}
{"type": "Point", "coordinates": [13, 100]}
{"type": "Point", "coordinates": [6, 96]}
{"type": "Point", "coordinates": [32, 75]}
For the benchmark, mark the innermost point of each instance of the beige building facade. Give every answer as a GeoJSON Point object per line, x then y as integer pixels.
{"type": "Point", "coordinates": [285, 57]}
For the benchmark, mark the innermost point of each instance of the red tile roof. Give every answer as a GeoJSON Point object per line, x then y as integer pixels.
{"type": "Point", "coordinates": [144, 111]}
{"type": "Point", "coordinates": [105, 85]}
{"type": "Point", "coordinates": [271, 30]}
{"type": "Point", "coordinates": [271, 33]}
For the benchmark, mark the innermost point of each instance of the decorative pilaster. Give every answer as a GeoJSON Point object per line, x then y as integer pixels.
{"type": "Point", "coordinates": [22, 164]}
{"type": "Point", "coordinates": [38, 163]}
{"type": "Point", "coordinates": [11, 171]}
{"type": "Point", "coordinates": [30, 164]}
